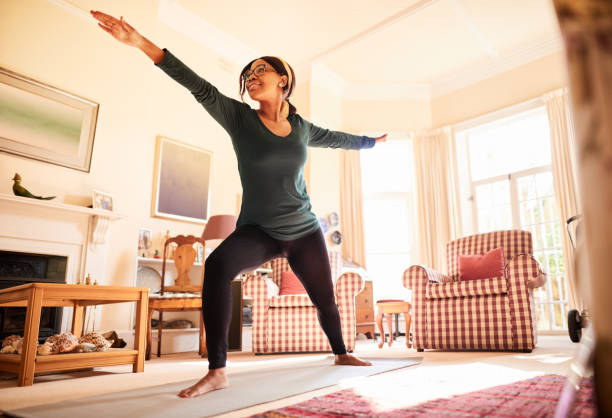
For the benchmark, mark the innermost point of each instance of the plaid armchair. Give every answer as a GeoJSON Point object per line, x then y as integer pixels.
{"type": "Point", "coordinates": [284, 324]}
{"type": "Point", "coordinates": [487, 314]}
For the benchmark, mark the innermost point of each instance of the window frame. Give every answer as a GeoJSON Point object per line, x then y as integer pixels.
{"type": "Point", "coordinates": [514, 198]}
{"type": "Point", "coordinates": [468, 196]}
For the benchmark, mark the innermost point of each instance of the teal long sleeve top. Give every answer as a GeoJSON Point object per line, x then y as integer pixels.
{"type": "Point", "coordinates": [274, 196]}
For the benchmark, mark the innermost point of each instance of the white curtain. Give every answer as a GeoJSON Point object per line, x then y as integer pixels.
{"type": "Point", "coordinates": [439, 217]}
{"type": "Point", "coordinates": [562, 139]}
{"type": "Point", "coordinates": [351, 208]}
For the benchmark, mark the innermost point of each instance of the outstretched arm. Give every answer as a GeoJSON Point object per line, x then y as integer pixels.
{"type": "Point", "coordinates": [382, 138]}
{"type": "Point", "coordinates": [124, 32]}
{"type": "Point", "coordinates": [324, 138]}
{"type": "Point", "coordinates": [223, 109]}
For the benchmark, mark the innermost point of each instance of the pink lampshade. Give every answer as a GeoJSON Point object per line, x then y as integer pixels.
{"type": "Point", "coordinates": [219, 227]}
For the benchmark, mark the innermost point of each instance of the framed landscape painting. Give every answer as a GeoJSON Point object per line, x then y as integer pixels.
{"type": "Point", "coordinates": [44, 123]}
{"type": "Point", "coordinates": [182, 181]}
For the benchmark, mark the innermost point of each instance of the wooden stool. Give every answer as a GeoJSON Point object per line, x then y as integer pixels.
{"type": "Point", "coordinates": [390, 307]}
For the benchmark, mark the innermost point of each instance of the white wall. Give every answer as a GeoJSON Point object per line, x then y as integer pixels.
{"type": "Point", "coordinates": [387, 116]}
{"type": "Point", "coordinates": [502, 90]}
{"type": "Point", "coordinates": [137, 102]}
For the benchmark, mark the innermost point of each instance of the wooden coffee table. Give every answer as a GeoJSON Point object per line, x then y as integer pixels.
{"type": "Point", "coordinates": [389, 307]}
{"type": "Point", "coordinates": [34, 296]}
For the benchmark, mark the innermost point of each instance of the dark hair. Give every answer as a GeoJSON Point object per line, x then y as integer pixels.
{"type": "Point", "coordinates": [278, 66]}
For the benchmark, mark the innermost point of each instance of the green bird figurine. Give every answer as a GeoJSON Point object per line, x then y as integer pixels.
{"type": "Point", "coordinates": [19, 190]}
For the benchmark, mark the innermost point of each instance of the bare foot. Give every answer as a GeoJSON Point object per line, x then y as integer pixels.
{"type": "Point", "coordinates": [214, 379]}
{"type": "Point", "coordinates": [349, 360]}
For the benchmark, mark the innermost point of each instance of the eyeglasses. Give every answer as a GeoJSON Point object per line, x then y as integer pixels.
{"type": "Point", "coordinates": [259, 70]}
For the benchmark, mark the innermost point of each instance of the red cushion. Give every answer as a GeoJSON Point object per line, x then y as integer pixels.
{"type": "Point", "coordinates": [486, 266]}
{"type": "Point", "coordinates": [290, 284]}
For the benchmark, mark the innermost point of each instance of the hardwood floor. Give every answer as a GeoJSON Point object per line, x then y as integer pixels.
{"type": "Point", "coordinates": [440, 373]}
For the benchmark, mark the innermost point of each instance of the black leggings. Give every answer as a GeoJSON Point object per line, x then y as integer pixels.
{"type": "Point", "coordinates": [247, 248]}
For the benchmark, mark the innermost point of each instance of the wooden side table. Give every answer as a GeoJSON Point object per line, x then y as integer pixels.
{"type": "Point", "coordinates": [390, 307]}
{"type": "Point", "coordinates": [34, 296]}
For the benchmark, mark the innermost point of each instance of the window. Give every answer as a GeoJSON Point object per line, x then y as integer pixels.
{"type": "Point", "coordinates": [509, 185]}
{"type": "Point", "coordinates": [388, 196]}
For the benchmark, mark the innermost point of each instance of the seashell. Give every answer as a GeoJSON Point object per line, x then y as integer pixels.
{"type": "Point", "coordinates": [8, 349]}
{"type": "Point", "coordinates": [63, 343]}
{"type": "Point", "coordinates": [96, 339]}
{"type": "Point", "coordinates": [85, 348]}
{"type": "Point", "coordinates": [45, 349]}
{"type": "Point", "coordinates": [11, 340]}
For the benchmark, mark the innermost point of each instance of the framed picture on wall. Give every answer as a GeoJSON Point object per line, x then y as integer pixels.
{"type": "Point", "coordinates": [182, 181]}
{"type": "Point", "coordinates": [44, 123]}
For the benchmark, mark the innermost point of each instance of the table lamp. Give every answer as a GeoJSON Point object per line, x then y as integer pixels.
{"type": "Point", "coordinates": [219, 227]}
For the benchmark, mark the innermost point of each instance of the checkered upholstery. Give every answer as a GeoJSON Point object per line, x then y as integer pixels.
{"type": "Point", "coordinates": [286, 324]}
{"type": "Point", "coordinates": [488, 314]}
{"type": "Point", "coordinates": [279, 265]}
{"type": "Point", "coordinates": [513, 242]}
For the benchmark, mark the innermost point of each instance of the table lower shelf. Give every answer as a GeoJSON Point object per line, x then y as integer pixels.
{"type": "Point", "coordinates": [71, 361]}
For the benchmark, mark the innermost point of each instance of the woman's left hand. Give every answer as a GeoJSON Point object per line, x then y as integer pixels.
{"type": "Point", "coordinates": [381, 139]}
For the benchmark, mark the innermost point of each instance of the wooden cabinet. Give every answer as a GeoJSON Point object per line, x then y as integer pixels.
{"type": "Point", "coordinates": [234, 338]}
{"type": "Point", "coordinates": [364, 310]}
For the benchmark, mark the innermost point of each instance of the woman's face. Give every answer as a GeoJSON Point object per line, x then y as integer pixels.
{"type": "Point", "coordinates": [263, 82]}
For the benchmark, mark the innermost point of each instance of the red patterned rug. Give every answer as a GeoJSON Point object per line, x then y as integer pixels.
{"type": "Point", "coordinates": [536, 397]}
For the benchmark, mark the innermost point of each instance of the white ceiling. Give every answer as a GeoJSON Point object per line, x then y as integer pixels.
{"type": "Point", "coordinates": [417, 48]}
{"type": "Point", "coordinates": [387, 49]}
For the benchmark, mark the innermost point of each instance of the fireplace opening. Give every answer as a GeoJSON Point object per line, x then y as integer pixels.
{"type": "Point", "coordinates": [21, 268]}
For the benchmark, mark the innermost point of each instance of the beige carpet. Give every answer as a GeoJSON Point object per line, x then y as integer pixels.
{"type": "Point", "coordinates": [440, 374]}
{"type": "Point", "coordinates": [278, 380]}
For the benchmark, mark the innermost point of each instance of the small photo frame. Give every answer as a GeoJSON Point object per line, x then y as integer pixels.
{"type": "Point", "coordinates": [101, 200]}
{"type": "Point", "coordinates": [144, 238]}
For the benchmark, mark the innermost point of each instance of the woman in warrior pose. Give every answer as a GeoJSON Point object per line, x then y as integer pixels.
{"type": "Point", "coordinates": [275, 217]}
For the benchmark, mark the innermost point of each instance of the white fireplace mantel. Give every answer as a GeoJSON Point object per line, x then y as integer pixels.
{"type": "Point", "coordinates": [100, 218]}
{"type": "Point", "coordinates": [47, 227]}
{"type": "Point", "coordinates": [51, 205]}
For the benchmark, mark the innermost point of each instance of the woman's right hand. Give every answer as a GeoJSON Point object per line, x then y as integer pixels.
{"type": "Point", "coordinates": [119, 28]}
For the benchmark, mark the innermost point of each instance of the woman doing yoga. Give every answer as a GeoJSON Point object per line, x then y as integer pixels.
{"type": "Point", "coordinates": [275, 217]}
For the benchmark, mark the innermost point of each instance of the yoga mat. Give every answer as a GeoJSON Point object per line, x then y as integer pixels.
{"type": "Point", "coordinates": [275, 381]}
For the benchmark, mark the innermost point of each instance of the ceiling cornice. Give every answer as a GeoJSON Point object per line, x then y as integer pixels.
{"type": "Point", "coordinates": [506, 62]}
{"type": "Point", "coordinates": [74, 10]}
{"type": "Point", "coordinates": [458, 79]}
{"type": "Point", "coordinates": [372, 30]}
{"type": "Point", "coordinates": [192, 25]}
{"type": "Point", "coordinates": [468, 21]}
